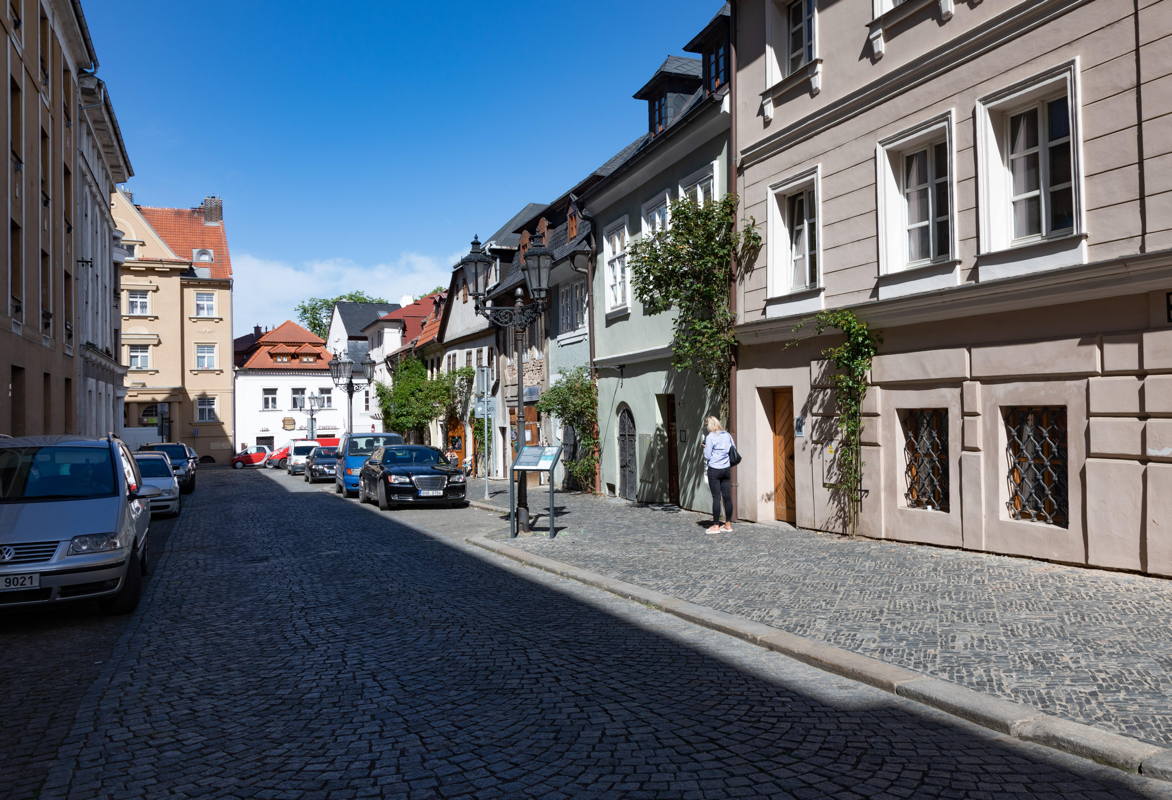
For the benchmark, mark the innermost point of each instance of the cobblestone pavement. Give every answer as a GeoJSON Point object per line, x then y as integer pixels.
{"type": "Point", "coordinates": [1088, 645]}
{"type": "Point", "coordinates": [292, 644]}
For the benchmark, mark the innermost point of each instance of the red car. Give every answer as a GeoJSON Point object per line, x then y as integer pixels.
{"type": "Point", "coordinates": [252, 457]}
{"type": "Point", "coordinates": [278, 458]}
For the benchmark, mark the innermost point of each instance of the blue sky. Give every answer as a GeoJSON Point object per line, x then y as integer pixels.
{"type": "Point", "coordinates": [360, 147]}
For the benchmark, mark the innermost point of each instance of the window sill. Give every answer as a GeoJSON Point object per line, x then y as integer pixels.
{"type": "Point", "coordinates": [215, 370]}
{"type": "Point", "coordinates": [904, 10]}
{"type": "Point", "coordinates": [618, 313]}
{"type": "Point", "coordinates": [803, 301]}
{"type": "Point", "coordinates": [1028, 257]}
{"type": "Point", "coordinates": [140, 316]}
{"type": "Point", "coordinates": [143, 371]}
{"type": "Point", "coordinates": [1027, 245]}
{"type": "Point", "coordinates": [923, 277]}
{"type": "Point", "coordinates": [206, 319]}
{"type": "Point", "coordinates": [810, 72]}
{"type": "Point", "coordinates": [573, 337]}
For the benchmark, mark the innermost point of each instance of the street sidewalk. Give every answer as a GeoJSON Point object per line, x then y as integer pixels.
{"type": "Point", "coordinates": [1079, 645]}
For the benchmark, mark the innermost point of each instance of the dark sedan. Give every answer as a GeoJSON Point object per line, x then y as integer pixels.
{"type": "Point", "coordinates": [411, 474]}
{"type": "Point", "coordinates": [321, 463]}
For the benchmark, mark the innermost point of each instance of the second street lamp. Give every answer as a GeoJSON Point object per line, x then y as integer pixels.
{"type": "Point", "coordinates": [311, 409]}
{"type": "Point", "coordinates": [516, 319]}
{"type": "Point", "coordinates": [342, 373]}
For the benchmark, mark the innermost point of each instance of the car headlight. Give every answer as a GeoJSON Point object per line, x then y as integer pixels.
{"type": "Point", "coordinates": [353, 471]}
{"type": "Point", "coordinates": [95, 543]}
{"type": "Point", "coordinates": [398, 479]}
{"type": "Point", "coordinates": [457, 478]}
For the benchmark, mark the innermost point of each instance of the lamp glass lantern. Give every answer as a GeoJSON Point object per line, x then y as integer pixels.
{"type": "Point", "coordinates": [340, 369]}
{"type": "Point", "coordinates": [478, 266]}
{"type": "Point", "coordinates": [537, 265]}
{"type": "Point", "coordinates": [367, 368]}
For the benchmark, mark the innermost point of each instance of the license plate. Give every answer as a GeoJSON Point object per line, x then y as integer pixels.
{"type": "Point", "coordinates": [14, 583]}
{"type": "Point", "coordinates": [431, 492]}
{"type": "Point", "coordinates": [328, 469]}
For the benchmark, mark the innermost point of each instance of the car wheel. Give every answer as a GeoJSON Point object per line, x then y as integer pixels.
{"type": "Point", "coordinates": [383, 505]}
{"type": "Point", "coordinates": [337, 488]}
{"type": "Point", "coordinates": [128, 596]}
{"type": "Point", "coordinates": [237, 465]}
{"type": "Point", "coordinates": [307, 480]}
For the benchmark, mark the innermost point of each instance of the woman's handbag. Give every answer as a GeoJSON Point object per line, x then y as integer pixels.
{"type": "Point", "coordinates": [734, 457]}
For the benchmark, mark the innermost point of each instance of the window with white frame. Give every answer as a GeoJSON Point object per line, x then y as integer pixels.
{"type": "Point", "coordinates": [615, 251]}
{"type": "Point", "coordinates": [699, 190]}
{"type": "Point", "coordinates": [138, 303]}
{"type": "Point", "coordinates": [915, 196]}
{"type": "Point", "coordinates": [205, 409]}
{"type": "Point", "coordinates": [365, 400]}
{"type": "Point", "coordinates": [655, 216]}
{"type": "Point", "coordinates": [327, 397]}
{"type": "Point", "coordinates": [795, 255]}
{"type": "Point", "coordinates": [298, 399]}
{"type": "Point", "coordinates": [140, 356]}
{"type": "Point", "coordinates": [571, 308]}
{"type": "Point", "coordinates": [1029, 180]}
{"type": "Point", "coordinates": [799, 22]}
{"type": "Point", "coordinates": [205, 356]}
{"type": "Point", "coordinates": [268, 399]}
{"type": "Point", "coordinates": [205, 304]}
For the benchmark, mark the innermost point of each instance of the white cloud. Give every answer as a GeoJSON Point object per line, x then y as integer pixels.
{"type": "Point", "coordinates": [266, 292]}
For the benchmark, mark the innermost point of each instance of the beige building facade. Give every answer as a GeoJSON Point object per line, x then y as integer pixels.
{"type": "Point", "coordinates": [58, 359]}
{"type": "Point", "coordinates": [176, 309]}
{"type": "Point", "coordinates": [989, 186]}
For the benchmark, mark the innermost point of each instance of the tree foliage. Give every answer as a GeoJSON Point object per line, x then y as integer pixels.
{"type": "Point", "coordinates": [412, 401]}
{"type": "Point", "coordinates": [314, 312]}
{"type": "Point", "coordinates": [574, 400]}
{"type": "Point", "coordinates": [690, 266]}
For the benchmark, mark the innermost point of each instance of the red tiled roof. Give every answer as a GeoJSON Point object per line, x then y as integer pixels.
{"type": "Point", "coordinates": [184, 230]}
{"type": "Point", "coordinates": [292, 341]}
{"type": "Point", "coordinates": [289, 332]}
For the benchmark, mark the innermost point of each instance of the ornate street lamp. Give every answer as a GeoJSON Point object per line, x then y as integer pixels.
{"type": "Point", "coordinates": [516, 319]}
{"type": "Point", "coordinates": [315, 404]}
{"type": "Point", "coordinates": [342, 372]}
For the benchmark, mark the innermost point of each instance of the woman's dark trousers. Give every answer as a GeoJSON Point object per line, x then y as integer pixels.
{"type": "Point", "coordinates": [720, 482]}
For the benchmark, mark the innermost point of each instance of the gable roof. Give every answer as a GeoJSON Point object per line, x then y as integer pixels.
{"type": "Point", "coordinates": [507, 236]}
{"type": "Point", "coordinates": [716, 24]}
{"type": "Point", "coordinates": [675, 70]}
{"type": "Point", "coordinates": [290, 341]}
{"type": "Point", "coordinates": [184, 231]}
{"type": "Point", "coordinates": [289, 332]}
{"type": "Point", "coordinates": [356, 316]}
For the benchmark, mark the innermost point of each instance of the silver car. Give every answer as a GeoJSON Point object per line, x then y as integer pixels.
{"type": "Point", "coordinates": [155, 469]}
{"type": "Point", "coordinates": [74, 518]}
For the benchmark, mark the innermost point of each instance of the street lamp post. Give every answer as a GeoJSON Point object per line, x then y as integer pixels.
{"type": "Point", "coordinates": [516, 319]}
{"type": "Point", "coordinates": [315, 404]}
{"type": "Point", "coordinates": [342, 372]}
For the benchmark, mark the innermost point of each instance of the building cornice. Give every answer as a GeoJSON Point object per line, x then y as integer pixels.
{"type": "Point", "coordinates": [1014, 23]}
{"type": "Point", "coordinates": [1118, 277]}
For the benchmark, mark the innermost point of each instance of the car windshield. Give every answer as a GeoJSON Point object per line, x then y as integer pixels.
{"type": "Point", "coordinates": [175, 452]}
{"type": "Point", "coordinates": [365, 445]}
{"type": "Point", "coordinates": [302, 449]}
{"type": "Point", "coordinates": [325, 452]}
{"type": "Point", "coordinates": [154, 467]}
{"type": "Point", "coordinates": [55, 473]}
{"type": "Point", "coordinates": [418, 456]}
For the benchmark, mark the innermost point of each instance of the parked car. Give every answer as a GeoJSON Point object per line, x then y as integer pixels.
{"type": "Point", "coordinates": [321, 463]}
{"type": "Point", "coordinates": [300, 450]}
{"type": "Point", "coordinates": [252, 457]}
{"type": "Point", "coordinates": [155, 469]}
{"type": "Point", "coordinates": [353, 451]}
{"type": "Point", "coordinates": [183, 461]}
{"type": "Point", "coordinates": [74, 519]}
{"type": "Point", "coordinates": [278, 458]}
{"type": "Point", "coordinates": [410, 473]}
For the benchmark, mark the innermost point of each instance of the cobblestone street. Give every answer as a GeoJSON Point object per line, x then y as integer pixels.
{"type": "Point", "coordinates": [1087, 645]}
{"type": "Point", "coordinates": [293, 644]}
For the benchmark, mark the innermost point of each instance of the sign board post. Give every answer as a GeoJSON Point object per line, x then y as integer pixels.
{"type": "Point", "coordinates": [532, 458]}
{"type": "Point", "coordinates": [483, 388]}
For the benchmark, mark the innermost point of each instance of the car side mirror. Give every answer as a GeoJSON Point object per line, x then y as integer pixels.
{"type": "Point", "coordinates": [146, 493]}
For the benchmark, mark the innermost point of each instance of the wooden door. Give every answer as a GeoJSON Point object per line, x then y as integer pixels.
{"type": "Point", "coordinates": [454, 446]}
{"type": "Point", "coordinates": [783, 456]}
{"type": "Point", "coordinates": [668, 407]}
{"type": "Point", "coordinates": [532, 436]}
{"type": "Point", "coordinates": [627, 451]}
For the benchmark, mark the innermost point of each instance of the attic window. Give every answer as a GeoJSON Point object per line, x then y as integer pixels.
{"type": "Point", "coordinates": [658, 114]}
{"type": "Point", "coordinates": [203, 256]}
{"type": "Point", "coordinates": [715, 66]}
{"type": "Point", "coordinates": [281, 359]}
{"type": "Point", "coordinates": [308, 359]}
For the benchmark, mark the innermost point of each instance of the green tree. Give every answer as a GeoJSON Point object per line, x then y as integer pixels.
{"type": "Point", "coordinates": [314, 312]}
{"type": "Point", "coordinates": [412, 401]}
{"type": "Point", "coordinates": [574, 400]}
{"type": "Point", "coordinates": [436, 290]}
{"type": "Point", "coordinates": [690, 267]}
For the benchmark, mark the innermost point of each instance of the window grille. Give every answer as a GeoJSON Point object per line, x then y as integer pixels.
{"type": "Point", "coordinates": [925, 449]}
{"type": "Point", "coordinates": [1036, 464]}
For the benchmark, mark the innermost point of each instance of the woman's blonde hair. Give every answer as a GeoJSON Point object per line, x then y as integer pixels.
{"type": "Point", "coordinates": [713, 425]}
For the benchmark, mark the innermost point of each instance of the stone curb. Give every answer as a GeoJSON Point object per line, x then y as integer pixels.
{"type": "Point", "coordinates": [1013, 719]}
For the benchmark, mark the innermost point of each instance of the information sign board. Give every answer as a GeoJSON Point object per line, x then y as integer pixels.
{"type": "Point", "coordinates": [539, 459]}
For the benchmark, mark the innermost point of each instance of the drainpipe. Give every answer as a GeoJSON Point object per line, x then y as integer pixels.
{"type": "Point", "coordinates": [589, 272]}
{"type": "Point", "coordinates": [732, 185]}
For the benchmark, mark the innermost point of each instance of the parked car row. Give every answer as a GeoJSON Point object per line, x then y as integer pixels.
{"type": "Point", "coordinates": [381, 468]}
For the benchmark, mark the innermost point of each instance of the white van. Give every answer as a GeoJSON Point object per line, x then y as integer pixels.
{"type": "Point", "coordinates": [299, 450]}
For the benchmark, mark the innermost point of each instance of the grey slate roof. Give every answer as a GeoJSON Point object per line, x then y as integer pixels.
{"type": "Point", "coordinates": [673, 69]}
{"type": "Point", "coordinates": [507, 236]}
{"type": "Point", "coordinates": [722, 18]}
{"type": "Point", "coordinates": [356, 316]}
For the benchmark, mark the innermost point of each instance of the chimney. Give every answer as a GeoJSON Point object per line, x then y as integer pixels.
{"type": "Point", "coordinates": [256, 331]}
{"type": "Point", "coordinates": [213, 210]}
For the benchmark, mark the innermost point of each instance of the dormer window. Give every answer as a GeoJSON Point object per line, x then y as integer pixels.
{"type": "Point", "coordinates": [658, 114]}
{"type": "Point", "coordinates": [203, 256]}
{"type": "Point", "coordinates": [716, 67]}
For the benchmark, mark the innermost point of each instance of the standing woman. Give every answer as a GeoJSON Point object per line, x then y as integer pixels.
{"type": "Point", "coordinates": [717, 445]}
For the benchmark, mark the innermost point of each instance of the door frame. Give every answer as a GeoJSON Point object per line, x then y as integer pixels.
{"type": "Point", "coordinates": [781, 423]}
